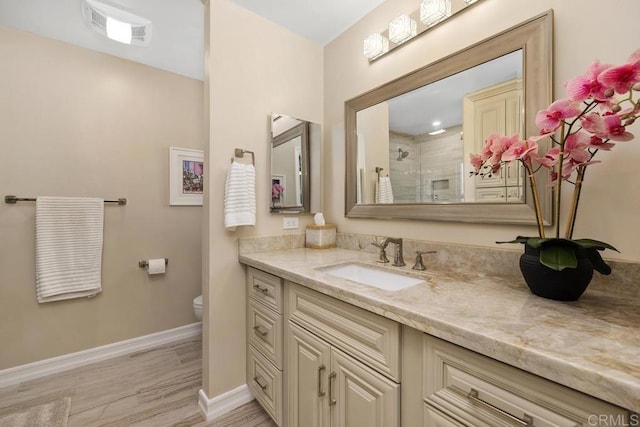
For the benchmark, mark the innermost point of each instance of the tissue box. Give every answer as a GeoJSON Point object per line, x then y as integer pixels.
{"type": "Point", "coordinates": [321, 236]}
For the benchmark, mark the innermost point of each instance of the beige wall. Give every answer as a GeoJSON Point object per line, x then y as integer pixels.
{"type": "Point", "coordinates": [74, 122]}
{"type": "Point", "coordinates": [609, 199]}
{"type": "Point", "coordinates": [252, 68]}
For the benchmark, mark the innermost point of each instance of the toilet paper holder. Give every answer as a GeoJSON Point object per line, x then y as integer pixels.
{"type": "Point", "coordinates": [145, 263]}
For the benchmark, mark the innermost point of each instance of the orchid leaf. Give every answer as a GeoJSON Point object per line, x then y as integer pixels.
{"type": "Point", "coordinates": [558, 257]}
{"type": "Point", "coordinates": [559, 254]}
{"type": "Point", "coordinates": [595, 244]}
{"type": "Point", "coordinates": [597, 262]}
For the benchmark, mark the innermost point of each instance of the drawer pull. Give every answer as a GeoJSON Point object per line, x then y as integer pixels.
{"type": "Point", "coordinates": [261, 289]}
{"type": "Point", "coordinates": [332, 401]}
{"type": "Point", "coordinates": [257, 379]}
{"type": "Point", "coordinates": [321, 392]}
{"type": "Point", "coordinates": [259, 331]}
{"type": "Point", "coordinates": [526, 420]}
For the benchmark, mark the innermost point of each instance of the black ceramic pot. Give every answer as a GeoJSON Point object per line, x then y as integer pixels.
{"type": "Point", "coordinates": [564, 285]}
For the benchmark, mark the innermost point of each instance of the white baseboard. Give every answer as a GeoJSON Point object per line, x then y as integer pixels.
{"type": "Point", "coordinates": [226, 402]}
{"type": "Point", "coordinates": [65, 362]}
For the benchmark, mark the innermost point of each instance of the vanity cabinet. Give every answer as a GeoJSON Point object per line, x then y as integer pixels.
{"type": "Point", "coordinates": [265, 359]}
{"type": "Point", "coordinates": [343, 363]}
{"type": "Point", "coordinates": [317, 361]}
{"type": "Point", "coordinates": [463, 388]}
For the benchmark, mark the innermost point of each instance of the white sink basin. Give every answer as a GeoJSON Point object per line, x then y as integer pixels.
{"type": "Point", "coordinates": [372, 276]}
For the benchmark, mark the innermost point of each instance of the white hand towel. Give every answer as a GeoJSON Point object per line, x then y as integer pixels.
{"type": "Point", "coordinates": [384, 193]}
{"type": "Point", "coordinates": [68, 247]}
{"type": "Point", "coordinates": [240, 196]}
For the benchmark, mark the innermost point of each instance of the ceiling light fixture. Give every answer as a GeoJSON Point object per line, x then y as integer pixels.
{"type": "Point", "coordinates": [402, 29]}
{"type": "Point", "coordinates": [434, 11]}
{"type": "Point", "coordinates": [375, 45]}
{"type": "Point", "coordinates": [437, 132]}
{"type": "Point", "coordinates": [117, 24]}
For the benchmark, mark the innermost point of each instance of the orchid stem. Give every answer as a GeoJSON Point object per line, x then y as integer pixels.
{"type": "Point", "coordinates": [536, 199]}
{"type": "Point", "coordinates": [575, 201]}
{"type": "Point", "coordinates": [559, 182]}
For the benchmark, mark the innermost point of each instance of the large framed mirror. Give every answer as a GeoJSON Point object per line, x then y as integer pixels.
{"type": "Point", "coordinates": [294, 183]}
{"type": "Point", "coordinates": [408, 141]}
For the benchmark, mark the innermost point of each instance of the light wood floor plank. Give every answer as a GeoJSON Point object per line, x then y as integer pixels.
{"type": "Point", "coordinates": [155, 388]}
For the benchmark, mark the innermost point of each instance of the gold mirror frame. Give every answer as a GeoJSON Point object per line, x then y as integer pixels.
{"type": "Point", "coordinates": [535, 38]}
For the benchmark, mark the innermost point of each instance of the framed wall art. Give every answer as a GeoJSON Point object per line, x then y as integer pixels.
{"type": "Point", "coordinates": [186, 176]}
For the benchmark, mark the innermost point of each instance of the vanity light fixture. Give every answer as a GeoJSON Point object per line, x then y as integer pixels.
{"type": "Point", "coordinates": [402, 29]}
{"type": "Point", "coordinates": [434, 11]}
{"type": "Point", "coordinates": [437, 132]}
{"type": "Point", "coordinates": [429, 14]}
{"type": "Point", "coordinates": [115, 23]}
{"type": "Point", "coordinates": [375, 45]}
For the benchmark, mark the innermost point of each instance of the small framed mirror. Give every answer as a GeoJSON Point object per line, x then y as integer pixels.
{"type": "Point", "coordinates": [294, 176]}
{"type": "Point", "coordinates": [408, 141]}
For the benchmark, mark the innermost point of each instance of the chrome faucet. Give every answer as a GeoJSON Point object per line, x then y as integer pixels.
{"type": "Point", "coordinates": [398, 259]}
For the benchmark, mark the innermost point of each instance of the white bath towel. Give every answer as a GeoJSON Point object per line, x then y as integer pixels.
{"type": "Point", "coordinates": [68, 247]}
{"type": "Point", "coordinates": [240, 196]}
{"type": "Point", "coordinates": [384, 193]}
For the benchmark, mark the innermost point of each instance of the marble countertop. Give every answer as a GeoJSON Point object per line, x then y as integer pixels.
{"type": "Point", "coordinates": [592, 345]}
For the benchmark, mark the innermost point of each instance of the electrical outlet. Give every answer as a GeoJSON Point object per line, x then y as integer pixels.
{"type": "Point", "coordinates": [290, 223]}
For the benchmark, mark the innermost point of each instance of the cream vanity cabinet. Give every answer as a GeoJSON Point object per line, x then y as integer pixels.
{"type": "Point", "coordinates": [342, 363]}
{"type": "Point", "coordinates": [316, 361]}
{"type": "Point", "coordinates": [265, 360]}
{"type": "Point", "coordinates": [463, 388]}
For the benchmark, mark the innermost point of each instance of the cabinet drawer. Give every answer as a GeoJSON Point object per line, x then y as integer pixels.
{"type": "Point", "coordinates": [368, 337]}
{"type": "Point", "coordinates": [479, 391]}
{"type": "Point", "coordinates": [434, 418]}
{"type": "Point", "coordinates": [266, 288]}
{"type": "Point", "coordinates": [264, 329]}
{"type": "Point", "coordinates": [265, 383]}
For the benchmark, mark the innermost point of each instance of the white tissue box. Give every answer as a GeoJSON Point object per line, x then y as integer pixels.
{"type": "Point", "coordinates": [321, 236]}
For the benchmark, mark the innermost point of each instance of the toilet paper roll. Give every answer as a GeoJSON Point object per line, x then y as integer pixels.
{"type": "Point", "coordinates": [156, 266]}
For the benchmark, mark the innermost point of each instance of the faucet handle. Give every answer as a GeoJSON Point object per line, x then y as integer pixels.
{"type": "Point", "coordinates": [419, 265]}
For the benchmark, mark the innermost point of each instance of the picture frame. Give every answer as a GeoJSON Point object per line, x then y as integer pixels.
{"type": "Point", "coordinates": [186, 176]}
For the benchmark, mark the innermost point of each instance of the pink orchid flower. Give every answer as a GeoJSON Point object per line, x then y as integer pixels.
{"type": "Point", "coordinates": [622, 77]}
{"type": "Point", "coordinates": [550, 159]}
{"type": "Point", "coordinates": [520, 150]}
{"type": "Point", "coordinates": [594, 123]}
{"type": "Point", "coordinates": [599, 144]}
{"type": "Point", "coordinates": [616, 129]}
{"type": "Point", "coordinates": [476, 162]}
{"type": "Point", "coordinates": [550, 119]}
{"type": "Point", "coordinates": [588, 85]}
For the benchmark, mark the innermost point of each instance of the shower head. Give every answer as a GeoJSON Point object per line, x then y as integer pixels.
{"type": "Point", "coordinates": [402, 154]}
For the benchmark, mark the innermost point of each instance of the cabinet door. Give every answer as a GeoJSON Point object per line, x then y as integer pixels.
{"type": "Point", "coordinates": [307, 378]}
{"type": "Point", "coordinates": [359, 396]}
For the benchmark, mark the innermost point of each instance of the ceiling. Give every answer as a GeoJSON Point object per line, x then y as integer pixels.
{"type": "Point", "coordinates": [177, 42]}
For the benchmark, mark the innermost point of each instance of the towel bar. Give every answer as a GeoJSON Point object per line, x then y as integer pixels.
{"type": "Point", "coordinates": [12, 200]}
{"type": "Point", "coordinates": [239, 152]}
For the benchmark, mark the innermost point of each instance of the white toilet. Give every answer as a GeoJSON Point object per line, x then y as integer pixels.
{"type": "Point", "coordinates": [197, 307]}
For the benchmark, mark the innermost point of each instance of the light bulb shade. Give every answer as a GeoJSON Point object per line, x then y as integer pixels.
{"type": "Point", "coordinates": [402, 29]}
{"type": "Point", "coordinates": [434, 11]}
{"type": "Point", "coordinates": [118, 30]}
{"type": "Point", "coordinates": [112, 21]}
{"type": "Point", "coordinates": [375, 45]}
